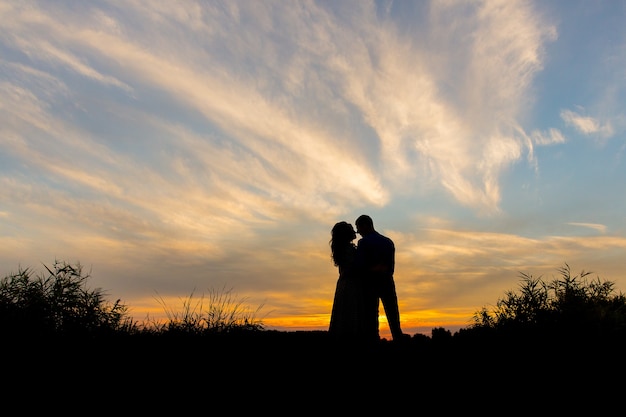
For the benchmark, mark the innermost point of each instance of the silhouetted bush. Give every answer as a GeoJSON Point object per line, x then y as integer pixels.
{"type": "Point", "coordinates": [567, 308]}
{"type": "Point", "coordinates": [58, 304]}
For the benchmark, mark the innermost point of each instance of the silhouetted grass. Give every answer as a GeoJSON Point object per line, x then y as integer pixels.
{"type": "Point", "coordinates": [568, 313]}
{"type": "Point", "coordinates": [220, 312]}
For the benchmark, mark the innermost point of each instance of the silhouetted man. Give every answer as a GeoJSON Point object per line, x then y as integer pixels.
{"type": "Point", "coordinates": [376, 262]}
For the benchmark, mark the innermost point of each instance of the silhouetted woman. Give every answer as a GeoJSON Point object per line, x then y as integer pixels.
{"type": "Point", "coordinates": [346, 319]}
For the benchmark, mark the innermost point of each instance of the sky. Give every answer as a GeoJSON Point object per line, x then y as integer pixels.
{"type": "Point", "coordinates": [179, 149]}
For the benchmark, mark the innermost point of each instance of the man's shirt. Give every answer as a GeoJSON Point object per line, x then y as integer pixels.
{"type": "Point", "coordinates": [376, 253]}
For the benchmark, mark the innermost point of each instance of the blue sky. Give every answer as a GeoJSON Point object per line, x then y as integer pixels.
{"type": "Point", "coordinates": [175, 148]}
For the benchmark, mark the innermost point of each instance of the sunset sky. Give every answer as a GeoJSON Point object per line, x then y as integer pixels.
{"type": "Point", "coordinates": [179, 148]}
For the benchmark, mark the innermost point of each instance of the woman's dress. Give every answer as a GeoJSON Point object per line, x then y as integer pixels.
{"type": "Point", "coordinates": [346, 319]}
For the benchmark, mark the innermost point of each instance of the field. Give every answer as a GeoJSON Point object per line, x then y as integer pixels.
{"type": "Point", "coordinates": [551, 348]}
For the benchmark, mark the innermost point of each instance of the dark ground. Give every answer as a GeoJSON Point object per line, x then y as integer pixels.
{"type": "Point", "coordinates": [297, 372]}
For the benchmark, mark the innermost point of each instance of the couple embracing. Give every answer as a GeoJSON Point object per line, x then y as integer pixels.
{"type": "Point", "coordinates": [365, 277]}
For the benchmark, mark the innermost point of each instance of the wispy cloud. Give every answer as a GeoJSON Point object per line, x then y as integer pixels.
{"type": "Point", "coordinates": [586, 124]}
{"type": "Point", "coordinates": [414, 118]}
{"type": "Point", "coordinates": [551, 137]}
{"type": "Point", "coordinates": [598, 227]}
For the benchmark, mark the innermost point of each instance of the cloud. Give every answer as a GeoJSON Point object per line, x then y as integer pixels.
{"type": "Point", "coordinates": [300, 102]}
{"type": "Point", "coordinates": [461, 134]}
{"type": "Point", "coordinates": [587, 125]}
{"type": "Point", "coordinates": [551, 137]}
{"type": "Point", "coordinates": [598, 227]}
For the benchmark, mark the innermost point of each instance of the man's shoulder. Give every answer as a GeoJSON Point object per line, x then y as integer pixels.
{"type": "Point", "coordinates": [385, 238]}
{"type": "Point", "coordinates": [375, 237]}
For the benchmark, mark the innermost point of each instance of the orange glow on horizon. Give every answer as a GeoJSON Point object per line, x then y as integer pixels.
{"type": "Point", "coordinates": [421, 321]}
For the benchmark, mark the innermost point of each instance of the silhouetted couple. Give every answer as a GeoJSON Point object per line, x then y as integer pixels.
{"type": "Point", "coordinates": [365, 277]}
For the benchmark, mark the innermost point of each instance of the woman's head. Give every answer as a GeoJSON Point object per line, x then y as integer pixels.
{"type": "Point", "coordinates": [343, 232]}
{"type": "Point", "coordinates": [342, 236]}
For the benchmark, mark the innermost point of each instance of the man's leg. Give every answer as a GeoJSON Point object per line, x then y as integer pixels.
{"type": "Point", "coordinates": [371, 311]}
{"type": "Point", "coordinates": [390, 305]}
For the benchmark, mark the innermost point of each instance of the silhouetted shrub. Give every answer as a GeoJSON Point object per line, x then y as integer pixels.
{"type": "Point", "coordinates": [567, 307]}
{"type": "Point", "coordinates": [58, 304]}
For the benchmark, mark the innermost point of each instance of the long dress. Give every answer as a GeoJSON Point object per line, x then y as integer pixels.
{"type": "Point", "coordinates": [346, 319]}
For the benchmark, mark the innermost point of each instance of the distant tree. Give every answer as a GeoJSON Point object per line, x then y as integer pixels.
{"type": "Point", "coordinates": [439, 334]}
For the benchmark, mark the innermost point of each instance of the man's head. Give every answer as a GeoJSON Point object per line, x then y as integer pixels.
{"type": "Point", "coordinates": [364, 224]}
